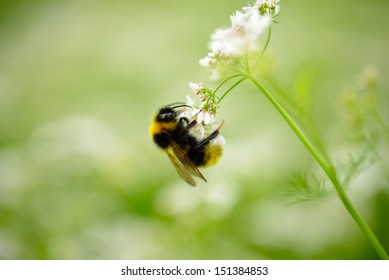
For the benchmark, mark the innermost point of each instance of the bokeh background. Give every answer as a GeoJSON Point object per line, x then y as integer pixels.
{"type": "Point", "coordinates": [80, 178]}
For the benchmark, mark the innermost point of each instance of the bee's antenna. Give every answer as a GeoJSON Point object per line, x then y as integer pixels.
{"type": "Point", "coordinates": [179, 106]}
{"type": "Point", "coordinates": [175, 103]}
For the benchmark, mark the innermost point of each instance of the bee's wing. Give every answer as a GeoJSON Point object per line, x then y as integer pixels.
{"type": "Point", "coordinates": [181, 170]}
{"type": "Point", "coordinates": [188, 164]}
{"type": "Point", "coordinates": [184, 166]}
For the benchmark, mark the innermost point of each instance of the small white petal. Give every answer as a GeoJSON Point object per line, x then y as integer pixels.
{"type": "Point", "coordinates": [237, 19]}
{"type": "Point", "coordinates": [207, 118]}
{"type": "Point", "coordinates": [194, 87]}
{"type": "Point", "coordinates": [212, 118]}
{"type": "Point", "coordinates": [195, 112]}
{"type": "Point", "coordinates": [200, 116]}
{"type": "Point", "coordinates": [189, 101]}
{"type": "Point", "coordinates": [207, 61]}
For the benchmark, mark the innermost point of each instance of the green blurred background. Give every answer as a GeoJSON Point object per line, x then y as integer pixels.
{"type": "Point", "coordinates": [80, 178]}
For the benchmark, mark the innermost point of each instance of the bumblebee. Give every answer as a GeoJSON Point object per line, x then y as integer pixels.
{"type": "Point", "coordinates": [174, 135]}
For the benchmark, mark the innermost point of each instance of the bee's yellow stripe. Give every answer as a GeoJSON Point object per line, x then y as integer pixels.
{"type": "Point", "coordinates": [158, 127]}
{"type": "Point", "coordinates": [212, 154]}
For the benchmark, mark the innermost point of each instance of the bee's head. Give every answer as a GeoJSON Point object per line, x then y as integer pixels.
{"type": "Point", "coordinates": [166, 114]}
{"type": "Point", "coordinates": [169, 113]}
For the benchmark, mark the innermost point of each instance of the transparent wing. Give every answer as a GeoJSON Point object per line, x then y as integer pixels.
{"type": "Point", "coordinates": [181, 170]}
{"type": "Point", "coordinates": [187, 163]}
{"type": "Point", "coordinates": [184, 166]}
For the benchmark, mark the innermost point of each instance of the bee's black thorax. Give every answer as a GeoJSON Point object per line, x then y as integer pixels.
{"type": "Point", "coordinates": [162, 140]}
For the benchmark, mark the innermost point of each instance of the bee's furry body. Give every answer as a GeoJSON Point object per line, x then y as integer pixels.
{"type": "Point", "coordinates": [172, 134]}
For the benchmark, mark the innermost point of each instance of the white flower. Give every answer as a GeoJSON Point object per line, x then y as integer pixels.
{"type": "Point", "coordinates": [268, 7]}
{"type": "Point", "coordinates": [189, 101]}
{"type": "Point", "coordinates": [205, 113]}
{"type": "Point", "coordinates": [245, 30]}
{"type": "Point", "coordinates": [238, 19]}
{"type": "Point", "coordinates": [227, 42]}
{"type": "Point", "coordinates": [205, 117]}
{"type": "Point", "coordinates": [208, 61]}
{"type": "Point", "coordinates": [202, 116]}
{"type": "Point", "coordinates": [242, 36]}
{"type": "Point", "coordinates": [197, 88]}
{"type": "Point", "coordinates": [200, 90]}
{"type": "Point", "coordinates": [197, 112]}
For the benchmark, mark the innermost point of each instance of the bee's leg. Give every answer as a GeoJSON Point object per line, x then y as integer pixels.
{"type": "Point", "coordinates": [210, 137]}
{"type": "Point", "coordinates": [191, 124]}
{"type": "Point", "coordinates": [206, 140]}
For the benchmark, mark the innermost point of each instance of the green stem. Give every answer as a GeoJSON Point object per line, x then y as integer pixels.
{"type": "Point", "coordinates": [226, 80]}
{"type": "Point", "coordinates": [263, 51]}
{"type": "Point", "coordinates": [231, 88]}
{"type": "Point", "coordinates": [328, 169]}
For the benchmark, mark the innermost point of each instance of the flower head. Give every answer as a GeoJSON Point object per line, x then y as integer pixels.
{"type": "Point", "coordinates": [241, 37]}
{"type": "Point", "coordinates": [204, 111]}
{"type": "Point", "coordinates": [268, 7]}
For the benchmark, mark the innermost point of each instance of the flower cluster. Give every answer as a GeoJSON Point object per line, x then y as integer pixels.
{"type": "Point", "coordinates": [242, 36]}
{"type": "Point", "coordinates": [205, 113]}
{"type": "Point", "coordinates": [228, 44]}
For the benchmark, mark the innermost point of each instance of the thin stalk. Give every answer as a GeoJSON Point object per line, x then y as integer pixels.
{"type": "Point", "coordinates": [263, 51]}
{"type": "Point", "coordinates": [328, 169]}
{"type": "Point", "coordinates": [231, 88]}
{"type": "Point", "coordinates": [226, 80]}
